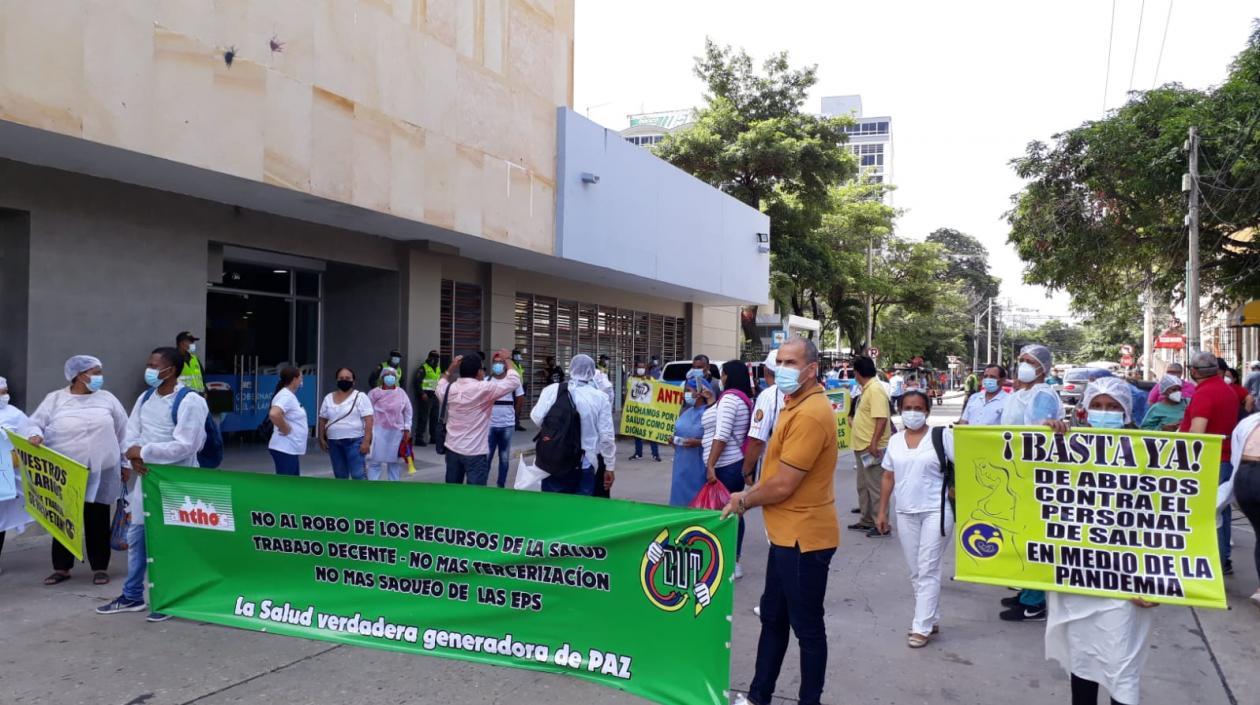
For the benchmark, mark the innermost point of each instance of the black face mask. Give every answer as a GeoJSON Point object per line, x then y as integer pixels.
{"type": "Point", "coordinates": [345, 385]}
{"type": "Point", "coordinates": [433, 361]}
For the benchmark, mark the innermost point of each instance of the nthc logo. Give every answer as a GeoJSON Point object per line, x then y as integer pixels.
{"type": "Point", "coordinates": [198, 506]}
{"type": "Point", "coordinates": [688, 568]}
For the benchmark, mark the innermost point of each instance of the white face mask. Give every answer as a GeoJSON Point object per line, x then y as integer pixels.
{"type": "Point", "coordinates": [192, 348]}
{"type": "Point", "coordinates": [1229, 380]}
{"type": "Point", "coordinates": [4, 400]}
{"type": "Point", "coordinates": [1027, 373]}
{"type": "Point", "coordinates": [913, 420]}
{"type": "Point", "coordinates": [1174, 397]}
{"type": "Point", "coordinates": [640, 371]}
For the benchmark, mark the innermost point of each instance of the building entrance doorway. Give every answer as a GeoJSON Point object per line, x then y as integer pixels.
{"type": "Point", "coordinates": [260, 318]}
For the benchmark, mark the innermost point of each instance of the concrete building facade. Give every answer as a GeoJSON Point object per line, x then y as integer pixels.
{"type": "Point", "coordinates": [315, 183]}
{"type": "Point", "coordinates": [870, 138]}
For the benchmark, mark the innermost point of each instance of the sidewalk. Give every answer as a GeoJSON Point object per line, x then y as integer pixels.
{"type": "Point", "coordinates": [56, 651]}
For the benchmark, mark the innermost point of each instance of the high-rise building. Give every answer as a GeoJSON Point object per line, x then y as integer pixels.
{"type": "Point", "coordinates": [870, 138]}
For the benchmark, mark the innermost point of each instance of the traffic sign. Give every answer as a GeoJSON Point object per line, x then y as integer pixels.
{"type": "Point", "coordinates": [1126, 349]}
{"type": "Point", "coordinates": [874, 353]}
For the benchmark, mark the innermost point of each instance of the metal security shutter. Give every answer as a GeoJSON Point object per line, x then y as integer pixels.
{"type": "Point", "coordinates": [566, 332]}
{"type": "Point", "coordinates": [521, 341]}
{"type": "Point", "coordinates": [542, 345]}
{"type": "Point", "coordinates": [460, 318]}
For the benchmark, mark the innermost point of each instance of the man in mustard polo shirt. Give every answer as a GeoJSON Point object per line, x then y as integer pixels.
{"type": "Point", "coordinates": [797, 493]}
{"type": "Point", "coordinates": [872, 427]}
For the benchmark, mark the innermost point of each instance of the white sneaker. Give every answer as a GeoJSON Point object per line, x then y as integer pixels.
{"type": "Point", "coordinates": [757, 610]}
{"type": "Point", "coordinates": [739, 571]}
{"type": "Point", "coordinates": [740, 699]}
{"type": "Point", "coordinates": [1255, 597]}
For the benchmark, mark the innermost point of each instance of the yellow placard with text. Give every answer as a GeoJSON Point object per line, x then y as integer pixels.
{"type": "Point", "coordinates": [651, 409]}
{"type": "Point", "coordinates": [840, 400]}
{"type": "Point", "coordinates": [54, 486]}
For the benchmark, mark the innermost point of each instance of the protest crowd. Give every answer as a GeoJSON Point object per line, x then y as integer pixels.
{"type": "Point", "coordinates": [765, 439]}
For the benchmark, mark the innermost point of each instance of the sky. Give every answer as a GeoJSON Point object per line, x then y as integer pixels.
{"type": "Point", "coordinates": [967, 84]}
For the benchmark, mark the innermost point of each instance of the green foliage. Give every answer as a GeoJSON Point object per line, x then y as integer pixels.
{"type": "Point", "coordinates": [1103, 211]}
{"type": "Point", "coordinates": [968, 263]}
{"type": "Point", "coordinates": [1065, 340]}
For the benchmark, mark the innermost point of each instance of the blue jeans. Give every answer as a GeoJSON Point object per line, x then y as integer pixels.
{"type": "Point", "coordinates": [582, 483]}
{"type": "Point", "coordinates": [638, 448]}
{"type": "Point", "coordinates": [347, 461]}
{"type": "Point", "coordinates": [796, 584]}
{"type": "Point", "coordinates": [470, 469]}
{"type": "Point", "coordinates": [1223, 533]}
{"type": "Point", "coordinates": [137, 564]}
{"type": "Point", "coordinates": [286, 463]}
{"type": "Point", "coordinates": [732, 477]}
{"type": "Point", "coordinates": [501, 442]}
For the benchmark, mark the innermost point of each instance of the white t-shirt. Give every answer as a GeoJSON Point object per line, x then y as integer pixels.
{"type": "Point", "coordinates": [919, 477]}
{"type": "Point", "coordinates": [345, 420]}
{"type": "Point", "coordinates": [765, 413]}
{"type": "Point", "coordinates": [503, 414]}
{"type": "Point", "coordinates": [295, 415]}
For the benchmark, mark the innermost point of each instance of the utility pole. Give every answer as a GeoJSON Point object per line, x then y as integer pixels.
{"type": "Point", "coordinates": [1148, 331]}
{"type": "Point", "coordinates": [975, 340]}
{"type": "Point", "coordinates": [870, 299]}
{"type": "Point", "coordinates": [988, 348]}
{"type": "Point", "coordinates": [1193, 341]}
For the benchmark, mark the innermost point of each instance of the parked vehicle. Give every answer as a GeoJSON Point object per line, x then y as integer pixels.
{"type": "Point", "coordinates": [676, 372]}
{"type": "Point", "coordinates": [1075, 380]}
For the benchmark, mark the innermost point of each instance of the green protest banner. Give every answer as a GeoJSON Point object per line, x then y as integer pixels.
{"type": "Point", "coordinates": [1094, 512]}
{"type": "Point", "coordinates": [54, 486]}
{"type": "Point", "coordinates": [651, 409]}
{"type": "Point", "coordinates": [633, 596]}
{"type": "Point", "coordinates": [840, 400]}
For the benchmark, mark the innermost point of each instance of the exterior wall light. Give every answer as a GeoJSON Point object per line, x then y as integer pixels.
{"type": "Point", "coordinates": [589, 178]}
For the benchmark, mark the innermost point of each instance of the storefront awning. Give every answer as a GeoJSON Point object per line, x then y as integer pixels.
{"type": "Point", "coordinates": [1170, 341]}
{"type": "Point", "coordinates": [1247, 314]}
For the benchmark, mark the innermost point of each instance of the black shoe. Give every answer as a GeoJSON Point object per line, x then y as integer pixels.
{"type": "Point", "coordinates": [875, 533]}
{"type": "Point", "coordinates": [1009, 602]}
{"type": "Point", "coordinates": [1024, 613]}
{"type": "Point", "coordinates": [1227, 568]}
{"type": "Point", "coordinates": [657, 458]}
{"type": "Point", "coordinates": [520, 427]}
{"type": "Point", "coordinates": [860, 527]}
{"type": "Point", "coordinates": [635, 457]}
{"type": "Point", "coordinates": [855, 511]}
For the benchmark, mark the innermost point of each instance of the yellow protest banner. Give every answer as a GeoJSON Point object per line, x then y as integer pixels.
{"type": "Point", "coordinates": [651, 409]}
{"type": "Point", "coordinates": [840, 400]}
{"type": "Point", "coordinates": [1094, 512]}
{"type": "Point", "coordinates": [54, 486]}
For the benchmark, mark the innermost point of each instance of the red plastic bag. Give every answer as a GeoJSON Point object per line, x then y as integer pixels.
{"type": "Point", "coordinates": [713, 495]}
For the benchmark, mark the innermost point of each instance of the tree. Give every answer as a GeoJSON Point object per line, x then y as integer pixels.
{"type": "Point", "coordinates": [1065, 340]}
{"type": "Point", "coordinates": [968, 263]}
{"type": "Point", "coordinates": [1102, 214]}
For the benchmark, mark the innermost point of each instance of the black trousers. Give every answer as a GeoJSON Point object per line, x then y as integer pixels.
{"type": "Point", "coordinates": [1247, 492]}
{"type": "Point", "coordinates": [1085, 692]}
{"type": "Point", "coordinates": [95, 540]}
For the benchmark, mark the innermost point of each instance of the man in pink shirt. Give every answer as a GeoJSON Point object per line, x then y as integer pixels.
{"type": "Point", "coordinates": [1187, 386]}
{"type": "Point", "coordinates": [468, 408]}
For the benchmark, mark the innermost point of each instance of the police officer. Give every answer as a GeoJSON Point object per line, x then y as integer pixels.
{"type": "Point", "coordinates": [394, 363]}
{"type": "Point", "coordinates": [191, 376]}
{"type": "Point", "coordinates": [426, 380]}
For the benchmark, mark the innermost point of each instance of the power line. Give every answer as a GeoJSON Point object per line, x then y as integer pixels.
{"type": "Point", "coordinates": [1162, 42]}
{"type": "Point", "coordinates": [1137, 44]}
{"type": "Point", "coordinates": [1111, 39]}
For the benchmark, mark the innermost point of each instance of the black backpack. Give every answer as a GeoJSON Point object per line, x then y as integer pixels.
{"type": "Point", "coordinates": [947, 469]}
{"type": "Point", "coordinates": [558, 445]}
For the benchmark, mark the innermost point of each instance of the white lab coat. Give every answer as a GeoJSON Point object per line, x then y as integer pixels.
{"type": "Point", "coordinates": [89, 429]}
{"type": "Point", "coordinates": [13, 516]}
{"type": "Point", "coordinates": [1100, 639]}
{"type": "Point", "coordinates": [598, 437]}
{"type": "Point", "coordinates": [161, 442]}
{"type": "Point", "coordinates": [1030, 407]}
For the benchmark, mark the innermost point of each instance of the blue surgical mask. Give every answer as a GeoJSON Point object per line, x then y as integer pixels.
{"type": "Point", "coordinates": [152, 377]}
{"type": "Point", "coordinates": [390, 380]}
{"type": "Point", "coordinates": [394, 360]}
{"type": "Point", "coordinates": [787, 379]}
{"type": "Point", "coordinates": [695, 373]}
{"type": "Point", "coordinates": [990, 385]}
{"type": "Point", "coordinates": [689, 399]}
{"type": "Point", "coordinates": [498, 368]}
{"type": "Point", "coordinates": [1105, 419]}
{"type": "Point", "coordinates": [95, 382]}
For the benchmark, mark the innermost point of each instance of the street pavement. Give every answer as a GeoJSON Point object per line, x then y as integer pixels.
{"type": "Point", "coordinates": [55, 650]}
